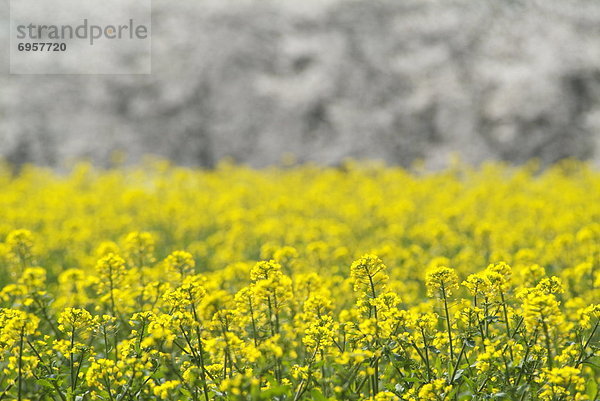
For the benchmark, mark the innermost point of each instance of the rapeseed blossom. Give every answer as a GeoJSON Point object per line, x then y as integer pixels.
{"type": "Point", "coordinates": [361, 282]}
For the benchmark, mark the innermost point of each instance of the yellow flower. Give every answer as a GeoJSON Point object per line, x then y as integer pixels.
{"type": "Point", "coordinates": [139, 248]}
{"type": "Point", "coordinates": [477, 283]}
{"type": "Point", "coordinates": [111, 269]}
{"type": "Point", "coordinates": [320, 334]}
{"type": "Point", "coordinates": [280, 306]}
{"type": "Point", "coordinates": [385, 396]}
{"type": "Point", "coordinates": [190, 292]}
{"type": "Point", "coordinates": [550, 285]}
{"type": "Point", "coordinates": [587, 314]}
{"type": "Point", "coordinates": [34, 278]}
{"type": "Point", "coordinates": [264, 270]}
{"type": "Point", "coordinates": [561, 383]}
{"type": "Point", "coordinates": [541, 310]}
{"type": "Point", "coordinates": [163, 390]}
{"type": "Point", "coordinates": [73, 319]}
{"type": "Point", "coordinates": [369, 274]}
{"type": "Point", "coordinates": [441, 281]}
{"type": "Point", "coordinates": [180, 262]}
{"type": "Point", "coordinates": [14, 323]}
{"type": "Point", "coordinates": [434, 390]}
{"type": "Point", "coordinates": [20, 245]}
{"type": "Point", "coordinates": [160, 328]}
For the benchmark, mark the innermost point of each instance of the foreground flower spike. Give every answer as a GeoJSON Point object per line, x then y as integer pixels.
{"type": "Point", "coordinates": [111, 273]}
{"type": "Point", "coordinates": [441, 281]}
{"type": "Point", "coordinates": [139, 248]}
{"type": "Point", "coordinates": [180, 263]}
{"type": "Point", "coordinates": [20, 247]}
{"type": "Point", "coordinates": [369, 275]}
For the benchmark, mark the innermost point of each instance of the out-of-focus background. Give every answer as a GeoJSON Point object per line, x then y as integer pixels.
{"type": "Point", "coordinates": [326, 80]}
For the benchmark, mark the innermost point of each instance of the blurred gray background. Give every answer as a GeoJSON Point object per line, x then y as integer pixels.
{"type": "Point", "coordinates": [394, 80]}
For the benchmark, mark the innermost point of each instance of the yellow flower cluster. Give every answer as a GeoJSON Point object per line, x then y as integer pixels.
{"type": "Point", "coordinates": [360, 282]}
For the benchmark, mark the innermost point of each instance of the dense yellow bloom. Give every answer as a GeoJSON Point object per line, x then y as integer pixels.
{"type": "Point", "coordinates": [34, 278]}
{"type": "Point", "coordinates": [264, 270]}
{"type": "Point", "coordinates": [181, 263]}
{"type": "Point", "coordinates": [73, 319]}
{"type": "Point", "coordinates": [531, 274]}
{"type": "Point", "coordinates": [384, 396]}
{"type": "Point", "coordinates": [369, 275]}
{"type": "Point", "coordinates": [477, 283]}
{"type": "Point", "coordinates": [14, 323]}
{"type": "Point", "coordinates": [432, 391]}
{"type": "Point", "coordinates": [139, 248]}
{"type": "Point", "coordinates": [271, 298]}
{"type": "Point", "coordinates": [276, 291]}
{"type": "Point", "coordinates": [286, 257]}
{"type": "Point", "coordinates": [111, 269]}
{"type": "Point", "coordinates": [320, 334]}
{"type": "Point", "coordinates": [441, 281]}
{"type": "Point", "coordinates": [163, 390]}
{"type": "Point", "coordinates": [561, 383]}
{"type": "Point", "coordinates": [100, 371]}
{"type": "Point", "coordinates": [190, 292]}
{"type": "Point", "coordinates": [499, 275]}
{"type": "Point", "coordinates": [588, 314]}
{"type": "Point", "coordinates": [540, 309]}
{"type": "Point", "coordinates": [74, 285]}
{"type": "Point", "coordinates": [20, 245]}
{"type": "Point", "coordinates": [551, 285]}
{"type": "Point", "coordinates": [489, 357]}
{"type": "Point", "coordinates": [160, 328]}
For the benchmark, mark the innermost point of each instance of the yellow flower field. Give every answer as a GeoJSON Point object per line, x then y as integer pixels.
{"type": "Point", "coordinates": [360, 282]}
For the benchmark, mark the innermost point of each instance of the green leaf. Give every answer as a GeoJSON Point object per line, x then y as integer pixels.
{"type": "Point", "coordinates": [591, 389]}
{"type": "Point", "coordinates": [458, 374]}
{"type": "Point", "coordinates": [45, 383]}
{"type": "Point", "coordinates": [317, 396]}
{"type": "Point", "coordinates": [492, 319]}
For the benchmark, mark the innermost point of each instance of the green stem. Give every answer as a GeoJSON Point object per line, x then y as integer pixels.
{"type": "Point", "coordinates": [507, 323]}
{"type": "Point", "coordinates": [448, 322]}
{"type": "Point", "coordinates": [548, 346]}
{"type": "Point", "coordinates": [200, 353]}
{"type": "Point", "coordinates": [302, 388]}
{"type": "Point", "coordinates": [375, 382]}
{"type": "Point", "coordinates": [462, 350]}
{"type": "Point", "coordinates": [589, 340]}
{"type": "Point", "coordinates": [21, 363]}
{"type": "Point", "coordinates": [254, 334]}
{"type": "Point", "coordinates": [43, 364]}
{"type": "Point", "coordinates": [73, 382]}
{"type": "Point", "coordinates": [426, 354]}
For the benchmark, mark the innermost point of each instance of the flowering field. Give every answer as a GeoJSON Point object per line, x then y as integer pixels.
{"type": "Point", "coordinates": [360, 282]}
